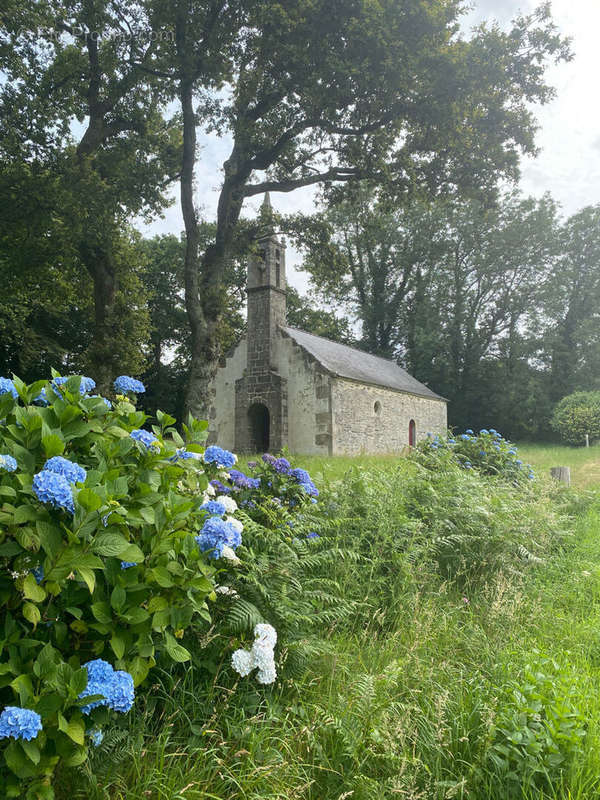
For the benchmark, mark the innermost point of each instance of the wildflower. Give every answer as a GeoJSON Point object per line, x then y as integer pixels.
{"type": "Point", "coordinates": [227, 591]}
{"type": "Point", "coordinates": [465, 600]}
{"type": "Point", "coordinates": [53, 489]}
{"type": "Point", "coordinates": [8, 463]}
{"type": "Point", "coordinates": [85, 385]}
{"type": "Point", "coordinates": [313, 535]}
{"type": "Point", "coordinates": [6, 385]}
{"type": "Point", "coordinates": [482, 452]}
{"type": "Point", "coordinates": [68, 469]}
{"type": "Point", "coordinates": [124, 384]}
{"type": "Point", "coordinates": [216, 455]}
{"type": "Point", "coordinates": [19, 723]}
{"type": "Point", "coordinates": [146, 438]}
{"type": "Point", "coordinates": [213, 507]}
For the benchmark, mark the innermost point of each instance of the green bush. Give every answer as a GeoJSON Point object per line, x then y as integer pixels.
{"type": "Point", "coordinates": [576, 415]}
{"type": "Point", "coordinates": [109, 570]}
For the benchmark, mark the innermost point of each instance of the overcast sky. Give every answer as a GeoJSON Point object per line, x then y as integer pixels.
{"type": "Point", "coordinates": [568, 165]}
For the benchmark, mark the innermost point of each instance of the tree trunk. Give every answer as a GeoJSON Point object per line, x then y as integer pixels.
{"type": "Point", "coordinates": [102, 358]}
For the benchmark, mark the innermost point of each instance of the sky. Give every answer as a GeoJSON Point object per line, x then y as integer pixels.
{"type": "Point", "coordinates": [568, 165]}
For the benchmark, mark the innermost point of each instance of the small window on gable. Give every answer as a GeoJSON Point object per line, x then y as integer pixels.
{"type": "Point", "coordinates": [377, 408]}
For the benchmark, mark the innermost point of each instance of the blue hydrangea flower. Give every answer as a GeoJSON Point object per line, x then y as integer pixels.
{"type": "Point", "coordinates": [482, 452]}
{"type": "Point", "coordinates": [512, 452]}
{"type": "Point", "coordinates": [220, 487]}
{"type": "Point", "coordinates": [105, 400]}
{"type": "Point", "coordinates": [145, 437]}
{"type": "Point", "coordinates": [268, 458]}
{"type": "Point", "coordinates": [7, 463]}
{"type": "Point", "coordinates": [518, 462]}
{"type": "Point", "coordinates": [214, 507]}
{"type": "Point", "coordinates": [6, 385]}
{"type": "Point", "coordinates": [282, 466]}
{"type": "Point", "coordinates": [468, 465]}
{"type": "Point", "coordinates": [86, 385]}
{"type": "Point", "coordinates": [469, 431]}
{"type": "Point", "coordinates": [53, 489]}
{"type": "Point", "coordinates": [484, 431]}
{"type": "Point", "coordinates": [42, 399]}
{"type": "Point", "coordinates": [19, 723]}
{"type": "Point", "coordinates": [96, 736]}
{"type": "Point", "coordinates": [124, 384]}
{"type": "Point", "coordinates": [122, 693]}
{"type": "Point", "coordinates": [313, 535]}
{"type": "Point", "coordinates": [127, 564]}
{"type": "Point", "coordinates": [465, 437]}
{"type": "Point", "coordinates": [216, 534]}
{"type": "Point", "coordinates": [216, 455]}
{"type": "Point", "coordinates": [68, 469]}
{"type": "Point", "coordinates": [38, 573]}
{"type": "Point", "coordinates": [185, 455]}
{"type": "Point", "coordinates": [305, 481]}
{"type": "Point", "coordinates": [243, 481]}
{"type": "Point", "coordinates": [116, 687]}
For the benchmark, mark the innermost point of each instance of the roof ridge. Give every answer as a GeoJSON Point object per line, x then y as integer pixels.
{"type": "Point", "coordinates": [349, 347]}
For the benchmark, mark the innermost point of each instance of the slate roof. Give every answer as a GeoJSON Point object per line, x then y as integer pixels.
{"type": "Point", "coordinates": [347, 362]}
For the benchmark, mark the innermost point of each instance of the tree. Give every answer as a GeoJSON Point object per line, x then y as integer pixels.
{"type": "Point", "coordinates": [82, 62]}
{"type": "Point", "coordinates": [572, 328]}
{"type": "Point", "coordinates": [451, 290]}
{"type": "Point", "coordinates": [322, 92]}
{"type": "Point", "coordinates": [303, 314]}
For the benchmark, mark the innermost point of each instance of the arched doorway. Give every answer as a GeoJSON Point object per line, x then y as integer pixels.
{"type": "Point", "coordinates": [412, 433]}
{"type": "Point", "coordinates": [260, 423]}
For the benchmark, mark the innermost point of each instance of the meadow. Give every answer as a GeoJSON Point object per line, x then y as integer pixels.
{"type": "Point", "coordinates": [475, 678]}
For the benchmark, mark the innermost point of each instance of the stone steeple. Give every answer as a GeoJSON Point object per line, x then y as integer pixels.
{"type": "Point", "coordinates": [261, 394]}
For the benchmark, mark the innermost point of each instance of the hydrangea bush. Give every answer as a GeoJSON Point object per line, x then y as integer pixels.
{"type": "Point", "coordinates": [110, 538]}
{"type": "Point", "coordinates": [488, 452]}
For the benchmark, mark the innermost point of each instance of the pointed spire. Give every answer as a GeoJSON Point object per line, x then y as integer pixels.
{"type": "Point", "coordinates": [265, 216]}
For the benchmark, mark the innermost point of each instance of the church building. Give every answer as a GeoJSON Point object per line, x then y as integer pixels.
{"type": "Point", "coordinates": [283, 387]}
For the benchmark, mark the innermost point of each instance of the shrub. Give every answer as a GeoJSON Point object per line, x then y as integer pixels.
{"type": "Point", "coordinates": [102, 572]}
{"type": "Point", "coordinates": [576, 415]}
{"type": "Point", "coordinates": [486, 452]}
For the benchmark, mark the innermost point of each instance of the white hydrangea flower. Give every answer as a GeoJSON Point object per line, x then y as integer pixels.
{"type": "Point", "coordinates": [266, 676]}
{"type": "Point", "coordinates": [265, 634]}
{"type": "Point", "coordinates": [229, 553]}
{"type": "Point", "coordinates": [242, 662]}
{"type": "Point", "coordinates": [226, 590]}
{"type": "Point", "coordinates": [210, 490]}
{"type": "Point", "coordinates": [235, 523]}
{"type": "Point", "coordinates": [230, 505]}
{"type": "Point", "coordinates": [264, 658]}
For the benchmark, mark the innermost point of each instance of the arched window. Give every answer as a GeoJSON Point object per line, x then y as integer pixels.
{"type": "Point", "coordinates": [259, 422]}
{"type": "Point", "coordinates": [412, 433]}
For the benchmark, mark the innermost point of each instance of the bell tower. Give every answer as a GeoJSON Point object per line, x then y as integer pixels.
{"type": "Point", "coordinates": [261, 394]}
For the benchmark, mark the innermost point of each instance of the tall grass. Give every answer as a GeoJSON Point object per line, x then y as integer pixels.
{"type": "Point", "coordinates": [420, 693]}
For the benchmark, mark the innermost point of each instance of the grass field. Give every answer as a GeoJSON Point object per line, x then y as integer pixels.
{"type": "Point", "coordinates": [485, 689]}
{"type": "Point", "coordinates": [584, 463]}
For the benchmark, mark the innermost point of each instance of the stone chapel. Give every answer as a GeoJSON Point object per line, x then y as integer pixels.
{"type": "Point", "coordinates": [283, 387]}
